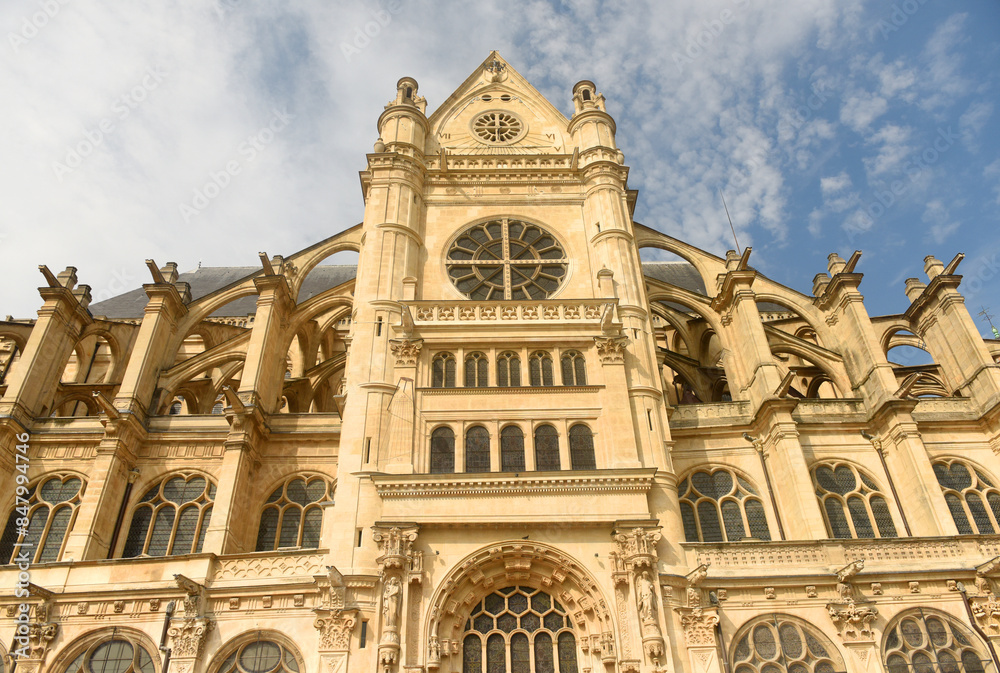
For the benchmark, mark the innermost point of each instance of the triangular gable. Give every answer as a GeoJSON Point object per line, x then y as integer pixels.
{"type": "Point", "coordinates": [523, 121]}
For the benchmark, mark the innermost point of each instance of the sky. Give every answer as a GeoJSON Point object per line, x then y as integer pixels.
{"type": "Point", "coordinates": [204, 132]}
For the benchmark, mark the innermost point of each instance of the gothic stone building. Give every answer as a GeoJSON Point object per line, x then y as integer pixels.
{"type": "Point", "coordinates": [500, 443]}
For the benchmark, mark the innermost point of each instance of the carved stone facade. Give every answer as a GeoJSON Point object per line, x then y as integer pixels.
{"type": "Point", "coordinates": [500, 402]}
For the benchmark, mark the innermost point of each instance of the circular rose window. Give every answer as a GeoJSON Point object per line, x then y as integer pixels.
{"type": "Point", "coordinates": [497, 127]}
{"type": "Point", "coordinates": [506, 259]}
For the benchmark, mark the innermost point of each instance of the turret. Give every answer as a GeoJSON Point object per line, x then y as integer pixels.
{"type": "Point", "coordinates": [403, 126]}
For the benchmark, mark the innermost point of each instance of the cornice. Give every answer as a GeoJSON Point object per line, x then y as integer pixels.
{"type": "Point", "coordinates": [449, 486]}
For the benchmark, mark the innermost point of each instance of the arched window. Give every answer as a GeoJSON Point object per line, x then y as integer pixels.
{"type": "Point", "coordinates": [720, 506]}
{"type": "Point", "coordinates": [511, 449]}
{"type": "Point", "coordinates": [293, 515]}
{"type": "Point", "coordinates": [46, 519]}
{"type": "Point", "coordinates": [119, 653]}
{"type": "Point", "coordinates": [176, 407]}
{"type": "Point", "coordinates": [477, 449]}
{"type": "Point", "coordinates": [782, 644]}
{"type": "Point", "coordinates": [540, 368]}
{"type": "Point", "coordinates": [968, 492]}
{"type": "Point", "coordinates": [476, 367]}
{"type": "Point", "coordinates": [574, 369]}
{"type": "Point", "coordinates": [171, 518]}
{"type": "Point", "coordinates": [921, 640]}
{"type": "Point", "coordinates": [443, 371]}
{"type": "Point", "coordinates": [546, 449]}
{"type": "Point", "coordinates": [581, 448]}
{"type": "Point", "coordinates": [852, 504]}
{"type": "Point", "coordinates": [521, 630]}
{"type": "Point", "coordinates": [260, 656]}
{"type": "Point", "coordinates": [442, 451]}
{"type": "Point", "coordinates": [508, 370]}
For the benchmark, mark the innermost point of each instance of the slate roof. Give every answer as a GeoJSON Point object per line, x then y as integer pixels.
{"type": "Point", "coordinates": [209, 279]}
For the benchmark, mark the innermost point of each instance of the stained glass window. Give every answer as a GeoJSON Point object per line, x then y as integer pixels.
{"type": "Point", "coordinates": [171, 518]}
{"type": "Point", "coordinates": [574, 369]}
{"type": "Point", "coordinates": [719, 506]}
{"type": "Point", "coordinates": [476, 370]}
{"type": "Point", "coordinates": [781, 644]}
{"type": "Point", "coordinates": [443, 371]}
{"type": "Point", "coordinates": [540, 368]}
{"type": "Point", "coordinates": [261, 656]}
{"type": "Point", "coordinates": [965, 489]}
{"type": "Point", "coordinates": [477, 449]}
{"type": "Point", "coordinates": [927, 641]}
{"type": "Point", "coordinates": [853, 504]}
{"type": "Point", "coordinates": [293, 514]}
{"type": "Point", "coordinates": [546, 449]}
{"type": "Point", "coordinates": [581, 448]}
{"type": "Point", "coordinates": [442, 451]}
{"type": "Point", "coordinates": [519, 629]}
{"type": "Point", "coordinates": [113, 655]}
{"type": "Point", "coordinates": [47, 518]}
{"type": "Point", "coordinates": [511, 449]}
{"type": "Point", "coordinates": [508, 370]}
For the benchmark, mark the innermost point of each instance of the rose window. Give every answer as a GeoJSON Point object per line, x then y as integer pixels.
{"type": "Point", "coordinates": [497, 127]}
{"type": "Point", "coordinates": [506, 259]}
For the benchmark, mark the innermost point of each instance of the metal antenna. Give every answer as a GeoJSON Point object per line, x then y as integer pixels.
{"type": "Point", "coordinates": [989, 318]}
{"type": "Point", "coordinates": [730, 222]}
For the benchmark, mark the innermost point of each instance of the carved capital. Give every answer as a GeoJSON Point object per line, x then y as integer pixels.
{"type": "Point", "coordinates": [187, 637]}
{"type": "Point", "coordinates": [611, 350]}
{"type": "Point", "coordinates": [699, 626]}
{"type": "Point", "coordinates": [853, 620]}
{"type": "Point", "coordinates": [335, 629]}
{"type": "Point", "coordinates": [406, 351]}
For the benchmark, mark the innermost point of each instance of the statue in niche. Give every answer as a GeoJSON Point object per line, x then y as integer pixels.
{"type": "Point", "coordinates": [647, 598]}
{"type": "Point", "coordinates": [390, 602]}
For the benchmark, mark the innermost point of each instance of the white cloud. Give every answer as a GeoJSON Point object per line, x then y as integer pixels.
{"type": "Point", "coordinates": [861, 108]}
{"type": "Point", "coordinates": [972, 122]}
{"type": "Point", "coordinates": [939, 218]}
{"type": "Point", "coordinates": [942, 77]}
{"type": "Point", "coordinates": [893, 148]}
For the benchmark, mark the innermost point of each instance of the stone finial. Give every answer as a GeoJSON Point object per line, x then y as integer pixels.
{"type": "Point", "coordinates": [732, 260]}
{"type": "Point", "coordinates": [169, 271]}
{"type": "Point", "coordinates": [914, 288]}
{"type": "Point", "coordinates": [68, 278]}
{"type": "Point", "coordinates": [379, 146]}
{"type": "Point", "coordinates": [933, 267]}
{"type": "Point", "coordinates": [82, 294]}
{"type": "Point", "coordinates": [820, 281]}
{"type": "Point", "coordinates": [835, 263]}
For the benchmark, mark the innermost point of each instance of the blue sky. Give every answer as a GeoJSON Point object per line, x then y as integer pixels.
{"type": "Point", "coordinates": [829, 126]}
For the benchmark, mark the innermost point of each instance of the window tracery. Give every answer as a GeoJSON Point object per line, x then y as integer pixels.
{"type": "Point", "coordinates": [972, 497]}
{"type": "Point", "coordinates": [476, 370]}
{"type": "Point", "coordinates": [506, 259]}
{"type": "Point", "coordinates": [718, 505]}
{"type": "Point", "coordinates": [574, 369]}
{"type": "Point", "coordinates": [171, 518]}
{"type": "Point", "coordinates": [260, 656]}
{"type": "Point", "coordinates": [852, 503]}
{"type": "Point", "coordinates": [477, 449]}
{"type": "Point", "coordinates": [540, 368]}
{"type": "Point", "coordinates": [508, 370]}
{"type": "Point", "coordinates": [779, 644]}
{"type": "Point", "coordinates": [443, 451]}
{"type": "Point", "coordinates": [293, 514]}
{"type": "Point", "coordinates": [581, 448]}
{"type": "Point", "coordinates": [443, 371]}
{"type": "Point", "coordinates": [520, 630]}
{"type": "Point", "coordinates": [546, 449]}
{"type": "Point", "coordinates": [47, 518]}
{"type": "Point", "coordinates": [117, 654]}
{"type": "Point", "coordinates": [925, 641]}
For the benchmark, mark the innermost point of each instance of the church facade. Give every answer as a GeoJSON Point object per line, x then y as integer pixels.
{"type": "Point", "coordinates": [501, 442]}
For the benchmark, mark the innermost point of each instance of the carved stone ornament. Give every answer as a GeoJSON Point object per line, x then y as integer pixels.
{"type": "Point", "coordinates": [335, 629]}
{"type": "Point", "coordinates": [611, 350]}
{"type": "Point", "coordinates": [699, 626]}
{"type": "Point", "coordinates": [853, 620]}
{"type": "Point", "coordinates": [405, 351]}
{"type": "Point", "coordinates": [40, 636]}
{"type": "Point", "coordinates": [637, 548]}
{"type": "Point", "coordinates": [187, 638]}
{"type": "Point", "coordinates": [396, 545]}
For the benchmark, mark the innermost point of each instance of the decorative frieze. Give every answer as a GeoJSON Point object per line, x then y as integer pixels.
{"type": "Point", "coordinates": [429, 312]}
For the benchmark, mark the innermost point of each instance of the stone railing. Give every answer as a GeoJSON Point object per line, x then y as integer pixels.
{"type": "Point", "coordinates": [425, 312]}
{"type": "Point", "coordinates": [715, 413]}
{"type": "Point", "coordinates": [887, 553]}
